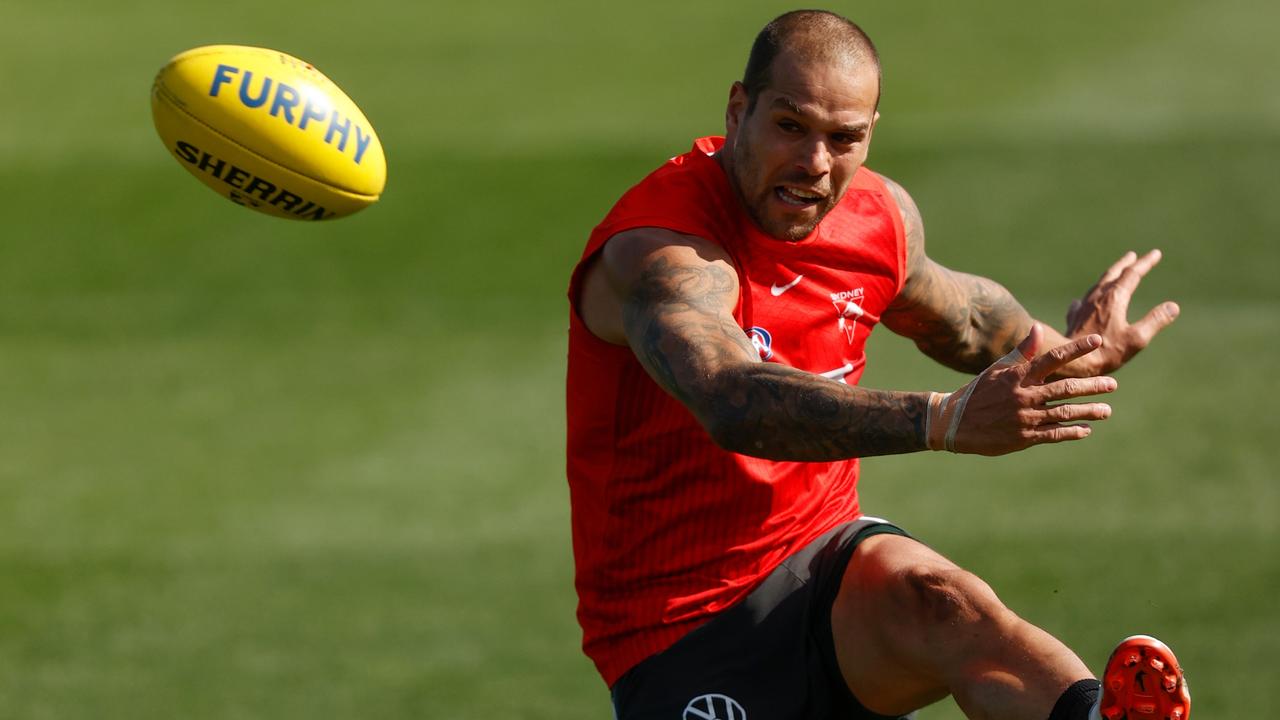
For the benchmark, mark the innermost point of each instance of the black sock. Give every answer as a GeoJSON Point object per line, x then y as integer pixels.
{"type": "Point", "coordinates": [1077, 701]}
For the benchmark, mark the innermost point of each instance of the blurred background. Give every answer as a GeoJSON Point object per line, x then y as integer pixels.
{"type": "Point", "coordinates": [252, 468]}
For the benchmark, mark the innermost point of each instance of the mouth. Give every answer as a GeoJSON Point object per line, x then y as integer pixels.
{"type": "Point", "coordinates": [797, 197]}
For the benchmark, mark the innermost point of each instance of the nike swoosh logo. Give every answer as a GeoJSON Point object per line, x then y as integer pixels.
{"type": "Point", "coordinates": [779, 289]}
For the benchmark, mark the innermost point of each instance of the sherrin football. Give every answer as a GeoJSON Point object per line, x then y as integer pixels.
{"type": "Point", "coordinates": [268, 131]}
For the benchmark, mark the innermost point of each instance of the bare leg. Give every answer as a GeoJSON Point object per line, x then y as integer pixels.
{"type": "Point", "coordinates": [912, 627]}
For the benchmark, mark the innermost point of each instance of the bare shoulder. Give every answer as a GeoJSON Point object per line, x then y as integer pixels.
{"type": "Point", "coordinates": [630, 256]}
{"type": "Point", "coordinates": [646, 265]}
{"type": "Point", "coordinates": [931, 305]}
{"type": "Point", "coordinates": [906, 205]}
{"type": "Point", "coordinates": [912, 225]}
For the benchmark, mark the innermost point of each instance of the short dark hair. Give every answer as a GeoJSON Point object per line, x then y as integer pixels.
{"type": "Point", "coordinates": [814, 34]}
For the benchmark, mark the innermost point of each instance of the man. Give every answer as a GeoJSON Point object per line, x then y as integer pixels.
{"type": "Point", "coordinates": [720, 312]}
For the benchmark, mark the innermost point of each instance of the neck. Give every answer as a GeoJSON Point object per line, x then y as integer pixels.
{"type": "Point", "coordinates": [724, 157]}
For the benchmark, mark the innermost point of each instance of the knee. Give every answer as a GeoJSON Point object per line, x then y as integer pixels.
{"type": "Point", "coordinates": [947, 597]}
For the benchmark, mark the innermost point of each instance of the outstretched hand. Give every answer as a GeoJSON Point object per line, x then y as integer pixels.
{"type": "Point", "coordinates": [1104, 310]}
{"type": "Point", "coordinates": [1008, 406]}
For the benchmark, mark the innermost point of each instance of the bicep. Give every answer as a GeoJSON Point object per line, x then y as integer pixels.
{"type": "Point", "coordinates": [678, 295]}
{"type": "Point", "coordinates": [933, 306]}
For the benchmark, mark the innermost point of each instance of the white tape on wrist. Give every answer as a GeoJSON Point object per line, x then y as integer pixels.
{"type": "Point", "coordinates": [935, 422]}
{"type": "Point", "coordinates": [960, 399]}
{"type": "Point", "coordinates": [942, 421]}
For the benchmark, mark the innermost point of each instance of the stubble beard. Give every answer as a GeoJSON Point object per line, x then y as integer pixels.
{"type": "Point", "coordinates": [745, 166]}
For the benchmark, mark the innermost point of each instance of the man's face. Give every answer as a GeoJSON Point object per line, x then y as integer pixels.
{"type": "Point", "coordinates": [791, 157]}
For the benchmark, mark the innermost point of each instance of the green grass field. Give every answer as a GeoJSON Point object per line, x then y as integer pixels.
{"type": "Point", "coordinates": [259, 469]}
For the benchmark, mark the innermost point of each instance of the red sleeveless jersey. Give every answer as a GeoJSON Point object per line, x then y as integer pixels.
{"type": "Point", "coordinates": [668, 528]}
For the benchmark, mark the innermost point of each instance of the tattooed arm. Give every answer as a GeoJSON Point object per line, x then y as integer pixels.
{"type": "Point", "coordinates": [965, 321]}
{"type": "Point", "coordinates": [671, 298]}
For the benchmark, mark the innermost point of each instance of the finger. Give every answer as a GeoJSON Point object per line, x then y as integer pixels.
{"type": "Point", "coordinates": [1072, 388]}
{"type": "Point", "coordinates": [1118, 267]}
{"type": "Point", "coordinates": [1144, 264]}
{"type": "Point", "coordinates": [1153, 322]}
{"type": "Point", "coordinates": [1071, 412]}
{"type": "Point", "coordinates": [1030, 345]}
{"type": "Point", "coordinates": [1132, 275]}
{"type": "Point", "coordinates": [1053, 360]}
{"type": "Point", "coordinates": [1048, 434]}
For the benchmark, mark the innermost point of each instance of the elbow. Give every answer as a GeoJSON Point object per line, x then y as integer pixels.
{"type": "Point", "coordinates": [732, 420]}
{"type": "Point", "coordinates": [959, 353]}
{"type": "Point", "coordinates": [735, 410]}
{"type": "Point", "coordinates": [733, 435]}
{"type": "Point", "coordinates": [720, 416]}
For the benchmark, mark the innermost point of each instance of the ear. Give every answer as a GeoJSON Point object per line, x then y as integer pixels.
{"type": "Point", "coordinates": [735, 111]}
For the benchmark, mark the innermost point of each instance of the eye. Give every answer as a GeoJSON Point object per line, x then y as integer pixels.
{"type": "Point", "coordinates": [846, 139]}
{"type": "Point", "coordinates": [789, 126]}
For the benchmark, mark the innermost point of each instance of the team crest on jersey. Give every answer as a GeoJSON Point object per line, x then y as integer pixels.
{"type": "Point", "coordinates": [762, 341]}
{"type": "Point", "coordinates": [848, 310]}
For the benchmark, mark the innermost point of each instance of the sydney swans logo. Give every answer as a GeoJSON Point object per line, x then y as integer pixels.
{"type": "Point", "coordinates": [848, 310]}
{"type": "Point", "coordinates": [714, 706]}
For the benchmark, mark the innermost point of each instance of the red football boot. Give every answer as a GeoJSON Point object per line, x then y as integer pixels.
{"type": "Point", "coordinates": [1143, 682]}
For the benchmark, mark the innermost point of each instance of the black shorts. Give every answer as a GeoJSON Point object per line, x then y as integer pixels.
{"type": "Point", "coordinates": [769, 657]}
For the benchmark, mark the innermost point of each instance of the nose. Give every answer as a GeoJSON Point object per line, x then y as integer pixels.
{"type": "Point", "coordinates": [814, 159]}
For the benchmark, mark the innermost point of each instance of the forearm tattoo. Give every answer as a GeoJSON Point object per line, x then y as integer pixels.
{"type": "Point", "coordinates": [783, 413]}
{"type": "Point", "coordinates": [678, 326]}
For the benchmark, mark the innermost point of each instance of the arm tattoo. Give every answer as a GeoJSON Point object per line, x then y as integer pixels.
{"type": "Point", "coordinates": [783, 413]}
{"type": "Point", "coordinates": [678, 326]}
{"type": "Point", "coordinates": [963, 321]}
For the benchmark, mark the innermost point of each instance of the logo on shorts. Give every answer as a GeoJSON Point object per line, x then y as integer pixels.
{"type": "Point", "coordinates": [762, 341]}
{"type": "Point", "coordinates": [714, 706]}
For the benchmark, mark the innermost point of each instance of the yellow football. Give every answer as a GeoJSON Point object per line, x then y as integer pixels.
{"type": "Point", "coordinates": [268, 131]}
